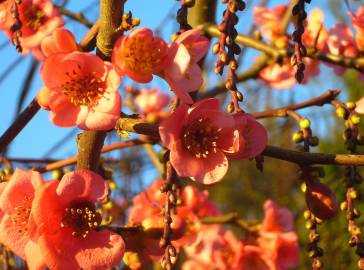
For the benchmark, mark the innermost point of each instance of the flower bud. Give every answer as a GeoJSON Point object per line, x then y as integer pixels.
{"type": "Point", "coordinates": [304, 123]}
{"type": "Point", "coordinates": [321, 200]}
{"type": "Point", "coordinates": [297, 137]}
{"type": "Point", "coordinates": [57, 174]}
{"type": "Point", "coordinates": [216, 48]}
{"type": "Point", "coordinates": [351, 105]}
{"type": "Point", "coordinates": [355, 119]}
{"type": "Point", "coordinates": [344, 206]}
{"type": "Point", "coordinates": [340, 112]}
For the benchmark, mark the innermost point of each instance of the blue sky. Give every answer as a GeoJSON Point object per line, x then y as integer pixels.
{"type": "Point", "coordinates": [36, 139]}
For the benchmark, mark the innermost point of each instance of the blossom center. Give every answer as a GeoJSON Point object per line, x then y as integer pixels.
{"type": "Point", "coordinates": [34, 17]}
{"type": "Point", "coordinates": [83, 89]}
{"type": "Point", "coordinates": [81, 218]}
{"type": "Point", "coordinates": [144, 55]}
{"type": "Point", "coordinates": [200, 137]}
{"type": "Point", "coordinates": [21, 216]}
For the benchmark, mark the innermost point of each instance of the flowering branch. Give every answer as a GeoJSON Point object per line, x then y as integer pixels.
{"type": "Point", "coordinates": [90, 142]}
{"type": "Point", "coordinates": [348, 62]}
{"type": "Point", "coordinates": [140, 127]}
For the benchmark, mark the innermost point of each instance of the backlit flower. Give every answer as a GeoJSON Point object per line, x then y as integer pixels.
{"type": "Point", "coordinates": [61, 41]}
{"type": "Point", "coordinates": [151, 103]}
{"type": "Point", "coordinates": [81, 90]}
{"type": "Point", "coordinates": [182, 72]}
{"type": "Point", "coordinates": [140, 55]}
{"type": "Point", "coordinates": [201, 137]}
{"type": "Point", "coordinates": [39, 19]}
{"type": "Point", "coordinates": [277, 238]}
{"type": "Point", "coordinates": [341, 42]}
{"type": "Point", "coordinates": [358, 23]}
{"type": "Point", "coordinates": [269, 21]}
{"type": "Point", "coordinates": [315, 33]}
{"type": "Point", "coordinates": [16, 224]}
{"type": "Point", "coordinates": [66, 220]}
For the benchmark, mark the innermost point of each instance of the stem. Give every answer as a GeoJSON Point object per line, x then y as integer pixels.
{"type": "Point", "coordinates": [90, 142]}
{"type": "Point", "coordinates": [20, 122]}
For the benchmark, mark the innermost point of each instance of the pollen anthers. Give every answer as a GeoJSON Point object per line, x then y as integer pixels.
{"type": "Point", "coordinates": [81, 218]}
{"type": "Point", "coordinates": [144, 55]}
{"type": "Point", "coordinates": [200, 137]}
{"type": "Point", "coordinates": [22, 212]}
{"type": "Point", "coordinates": [34, 17]}
{"type": "Point", "coordinates": [83, 89]}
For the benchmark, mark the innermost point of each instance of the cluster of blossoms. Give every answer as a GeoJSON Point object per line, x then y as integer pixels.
{"type": "Point", "coordinates": [81, 89]}
{"type": "Point", "coordinates": [38, 19]}
{"type": "Point", "coordinates": [53, 223]}
{"type": "Point", "coordinates": [210, 246]}
{"type": "Point", "coordinates": [150, 103]}
{"type": "Point", "coordinates": [338, 41]}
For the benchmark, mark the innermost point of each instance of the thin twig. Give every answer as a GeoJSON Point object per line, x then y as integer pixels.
{"type": "Point", "coordinates": [20, 122]}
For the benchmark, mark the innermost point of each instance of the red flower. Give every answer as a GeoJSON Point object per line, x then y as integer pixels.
{"type": "Point", "coordinates": [139, 55]}
{"type": "Point", "coordinates": [66, 218]}
{"type": "Point", "coordinates": [16, 223]}
{"type": "Point", "coordinates": [81, 90]}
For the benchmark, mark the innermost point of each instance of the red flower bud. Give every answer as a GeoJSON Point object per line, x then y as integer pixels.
{"type": "Point", "coordinates": [321, 200]}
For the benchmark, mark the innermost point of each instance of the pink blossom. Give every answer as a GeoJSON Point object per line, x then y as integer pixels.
{"type": "Point", "coordinates": [341, 42]}
{"type": "Point", "coordinates": [182, 73]}
{"type": "Point", "coordinates": [280, 248]}
{"type": "Point", "coordinates": [140, 55]}
{"type": "Point", "coordinates": [151, 103]}
{"type": "Point", "coordinates": [277, 239]}
{"type": "Point", "coordinates": [277, 219]}
{"type": "Point", "coordinates": [253, 137]}
{"type": "Point", "coordinates": [39, 19]}
{"type": "Point", "coordinates": [282, 76]}
{"type": "Point", "coordinates": [358, 23]}
{"type": "Point", "coordinates": [254, 259]}
{"type": "Point", "coordinates": [269, 21]}
{"type": "Point", "coordinates": [81, 90]}
{"type": "Point", "coordinates": [61, 41]}
{"type": "Point", "coordinates": [217, 249]}
{"type": "Point", "coordinates": [16, 224]}
{"type": "Point", "coordinates": [147, 211]}
{"type": "Point", "coordinates": [201, 137]}
{"type": "Point", "coordinates": [315, 34]}
{"type": "Point", "coordinates": [66, 219]}
{"type": "Point", "coordinates": [360, 106]}
{"type": "Point", "coordinates": [279, 76]}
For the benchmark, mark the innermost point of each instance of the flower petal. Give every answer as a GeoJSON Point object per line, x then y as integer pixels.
{"type": "Point", "coordinates": [82, 185]}
{"type": "Point", "coordinates": [101, 250]}
{"type": "Point", "coordinates": [21, 184]}
{"type": "Point", "coordinates": [34, 256]}
{"type": "Point", "coordinates": [170, 128]}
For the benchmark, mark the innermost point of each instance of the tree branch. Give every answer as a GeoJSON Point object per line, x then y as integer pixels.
{"type": "Point", "coordinates": [78, 17]}
{"type": "Point", "coordinates": [108, 148]}
{"type": "Point", "coordinates": [325, 98]}
{"type": "Point", "coordinates": [348, 62]}
{"type": "Point", "coordinates": [89, 143]}
{"type": "Point", "coordinates": [20, 122]}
